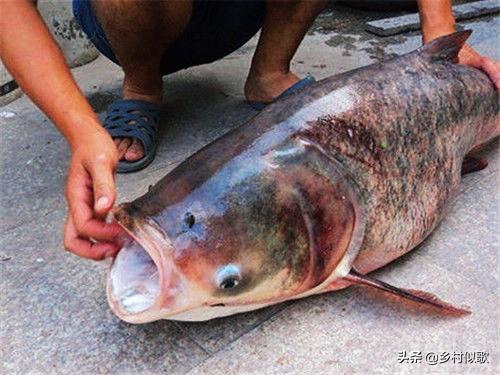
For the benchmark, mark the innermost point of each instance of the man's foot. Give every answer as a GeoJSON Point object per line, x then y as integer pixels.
{"type": "Point", "coordinates": [266, 88]}
{"type": "Point", "coordinates": [133, 120]}
{"type": "Point", "coordinates": [131, 149]}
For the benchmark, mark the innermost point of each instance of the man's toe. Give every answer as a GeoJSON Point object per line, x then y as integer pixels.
{"type": "Point", "coordinates": [123, 147]}
{"type": "Point", "coordinates": [135, 151]}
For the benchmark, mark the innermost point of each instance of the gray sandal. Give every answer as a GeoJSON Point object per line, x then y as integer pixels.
{"type": "Point", "coordinates": [134, 119]}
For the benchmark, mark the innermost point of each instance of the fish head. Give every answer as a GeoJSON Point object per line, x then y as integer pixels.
{"type": "Point", "coordinates": [245, 238]}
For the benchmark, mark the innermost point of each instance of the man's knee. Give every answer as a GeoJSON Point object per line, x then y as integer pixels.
{"type": "Point", "coordinates": [147, 19]}
{"type": "Point", "coordinates": [140, 31]}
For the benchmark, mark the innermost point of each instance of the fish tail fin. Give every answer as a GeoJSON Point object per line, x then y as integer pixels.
{"type": "Point", "coordinates": [446, 47]}
{"type": "Point", "coordinates": [418, 296]}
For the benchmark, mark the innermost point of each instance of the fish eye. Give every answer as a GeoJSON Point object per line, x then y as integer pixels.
{"type": "Point", "coordinates": [189, 219]}
{"type": "Point", "coordinates": [229, 283]}
{"type": "Point", "coordinates": [228, 276]}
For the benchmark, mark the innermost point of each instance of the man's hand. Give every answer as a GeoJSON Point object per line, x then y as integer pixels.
{"type": "Point", "coordinates": [468, 56]}
{"type": "Point", "coordinates": [35, 61]}
{"type": "Point", "coordinates": [437, 20]}
{"type": "Point", "coordinates": [90, 191]}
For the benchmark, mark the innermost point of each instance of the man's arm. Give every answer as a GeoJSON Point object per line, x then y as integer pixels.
{"type": "Point", "coordinates": [38, 66]}
{"type": "Point", "coordinates": [35, 61]}
{"type": "Point", "coordinates": [436, 18]}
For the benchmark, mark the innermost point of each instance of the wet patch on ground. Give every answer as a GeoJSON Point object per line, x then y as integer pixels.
{"type": "Point", "coordinates": [345, 27]}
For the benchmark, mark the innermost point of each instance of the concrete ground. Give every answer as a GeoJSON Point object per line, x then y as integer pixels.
{"type": "Point", "coordinates": [54, 315]}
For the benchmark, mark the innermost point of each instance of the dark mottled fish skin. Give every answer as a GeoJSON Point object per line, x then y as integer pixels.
{"type": "Point", "coordinates": [405, 148]}
{"type": "Point", "coordinates": [368, 159]}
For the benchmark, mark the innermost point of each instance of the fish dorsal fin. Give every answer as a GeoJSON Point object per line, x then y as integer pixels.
{"type": "Point", "coordinates": [418, 296]}
{"type": "Point", "coordinates": [446, 47]}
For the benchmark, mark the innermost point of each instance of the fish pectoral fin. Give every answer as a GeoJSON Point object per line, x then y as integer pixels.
{"type": "Point", "coordinates": [472, 164]}
{"type": "Point", "coordinates": [418, 296]}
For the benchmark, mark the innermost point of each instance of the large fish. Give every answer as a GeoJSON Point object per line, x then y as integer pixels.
{"type": "Point", "coordinates": [310, 195]}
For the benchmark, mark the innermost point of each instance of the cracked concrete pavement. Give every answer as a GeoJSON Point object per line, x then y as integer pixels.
{"type": "Point", "coordinates": [54, 315]}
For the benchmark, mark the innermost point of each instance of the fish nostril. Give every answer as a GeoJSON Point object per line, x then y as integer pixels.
{"type": "Point", "coordinates": [189, 219]}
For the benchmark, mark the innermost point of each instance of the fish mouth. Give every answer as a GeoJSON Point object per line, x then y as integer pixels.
{"type": "Point", "coordinates": [134, 280]}
{"type": "Point", "coordinates": [142, 281]}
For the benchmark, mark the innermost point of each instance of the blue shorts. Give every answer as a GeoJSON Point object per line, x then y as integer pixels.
{"type": "Point", "coordinates": [216, 29]}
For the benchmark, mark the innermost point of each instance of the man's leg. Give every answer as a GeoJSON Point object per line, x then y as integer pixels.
{"type": "Point", "coordinates": [285, 25]}
{"type": "Point", "coordinates": [139, 32]}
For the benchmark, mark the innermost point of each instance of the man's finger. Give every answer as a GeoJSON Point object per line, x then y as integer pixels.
{"type": "Point", "coordinates": [98, 230]}
{"type": "Point", "coordinates": [80, 201]}
{"type": "Point", "coordinates": [85, 248]}
{"type": "Point", "coordinates": [89, 227]}
{"type": "Point", "coordinates": [103, 185]}
{"type": "Point", "coordinates": [492, 69]}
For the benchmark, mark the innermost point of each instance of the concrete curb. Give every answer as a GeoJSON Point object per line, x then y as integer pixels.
{"type": "Point", "coordinates": [9, 90]}
{"type": "Point", "coordinates": [58, 16]}
{"type": "Point", "coordinates": [411, 22]}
